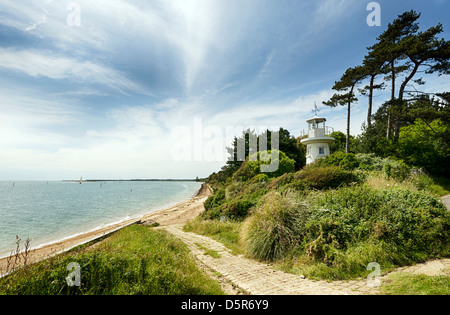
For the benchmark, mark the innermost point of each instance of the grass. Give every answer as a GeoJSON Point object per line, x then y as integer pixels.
{"type": "Point", "coordinates": [225, 232]}
{"type": "Point", "coordinates": [404, 283]}
{"type": "Point", "coordinates": [133, 261]}
{"type": "Point", "coordinates": [440, 186]}
{"type": "Point", "coordinates": [209, 252]}
{"type": "Point", "coordinates": [274, 227]}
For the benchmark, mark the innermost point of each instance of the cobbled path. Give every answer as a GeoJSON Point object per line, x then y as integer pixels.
{"type": "Point", "coordinates": [257, 278]}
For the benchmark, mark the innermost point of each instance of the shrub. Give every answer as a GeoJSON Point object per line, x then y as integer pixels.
{"type": "Point", "coordinates": [285, 164]}
{"type": "Point", "coordinates": [280, 181]}
{"type": "Point", "coordinates": [235, 201]}
{"type": "Point", "coordinates": [415, 223]}
{"type": "Point", "coordinates": [252, 167]}
{"type": "Point", "coordinates": [324, 177]}
{"type": "Point", "coordinates": [370, 162]}
{"type": "Point", "coordinates": [215, 200]}
{"type": "Point", "coordinates": [261, 178]}
{"type": "Point", "coordinates": [397, 170]}
{"type": "Point", "coordinates": [347, 161]}
{"type": "Point", "coordinates": [247, 171]}
{"type": "Point", "coordinates": [275, 227]}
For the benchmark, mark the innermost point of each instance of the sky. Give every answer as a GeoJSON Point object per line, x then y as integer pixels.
{"type": "Point", "coordinates": [156, 89]}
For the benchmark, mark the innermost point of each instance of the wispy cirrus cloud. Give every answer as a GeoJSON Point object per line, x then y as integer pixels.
{"type": "Point", "coordinates": [49, 65]}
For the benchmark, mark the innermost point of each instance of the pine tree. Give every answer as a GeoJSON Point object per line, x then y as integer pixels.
{"type": "Point", "coordinates": [346, 84]}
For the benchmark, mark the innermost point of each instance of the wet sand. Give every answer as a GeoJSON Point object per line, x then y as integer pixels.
{"type": "Point", "coordinates": [177, 214]}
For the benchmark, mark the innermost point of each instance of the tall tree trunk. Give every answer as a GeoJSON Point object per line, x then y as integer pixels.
{"type": "Point", "coordinates": [401, 92]}
{"type": "Point", "coordinates": [347, 140]}
{"type": "Point", "coordinates": [389, 122]}
{"type": "Point", "coordinates": [369, 110]}
{"type": "Point", "coordinates": [408, 78]}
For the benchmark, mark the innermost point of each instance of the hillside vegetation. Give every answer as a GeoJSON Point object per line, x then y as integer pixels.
{"type": "Point", "coordinates": [331, 219]}
{"type": "Point", "coordinates": [133, 261]}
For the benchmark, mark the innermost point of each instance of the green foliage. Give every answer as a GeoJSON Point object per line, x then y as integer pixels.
{"type": "Point", "coordinates": [250, 143]}
{"type": "Point", "coordinates": [260, 178]}
{"type": "Point", "coordinates": [247, 171]}
{"type": "Point", "coordinates": [397, 170]}
{"type": "Point", "coordinates": [415, 223]}
{"type": "Point", "coordinates": [420, 145]}
{"type": "Point", "coordinates": [275, 226]}
{"type": "Point", "coordinates": [324, 177]}
{"type": "Point", "coordinates": [133, 261]}
{"type": "Point", "coordinates": [346, 161]}
{"type": "Point", "coordinates": [293, 150]}
{"type": "Point", "coordinates": [226, 231]}
{"type": "Point", "coordinates": [253, 166]}
{"type": "Point", "coordinates": [215, 200]}
{"type": "Point", "coordinates": [236, 200]}
{"type": "Point", "coordinates": [344, 230]}
{"type": "Point", "coordinates": [281, 181]}
{"type": "Point", "coordinates": [392, 219]}
{"type": "Point", "coordinates": [370, 162]}
{"type": "Point", "coordinates": [339, 141]}
{"type": "Point", "coordinates": [285, 164]}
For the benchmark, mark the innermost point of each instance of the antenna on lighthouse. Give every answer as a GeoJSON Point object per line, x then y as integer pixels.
{"type": "Point", "coordinates": [316, 110]}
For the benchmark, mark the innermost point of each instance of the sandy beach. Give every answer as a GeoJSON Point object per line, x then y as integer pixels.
{"type": "Point", "coordinates": [177, 214]}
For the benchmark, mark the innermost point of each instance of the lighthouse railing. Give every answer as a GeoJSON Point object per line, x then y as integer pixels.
{"type": "Point", "coordinates": [318, 133]}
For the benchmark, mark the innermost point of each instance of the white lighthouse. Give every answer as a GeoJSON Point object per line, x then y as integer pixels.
{"type": "Point", "coordinates": [318, 142]}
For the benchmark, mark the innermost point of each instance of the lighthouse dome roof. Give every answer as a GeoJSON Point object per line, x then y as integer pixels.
{"type": "Point", "coordinates": [316, 119]}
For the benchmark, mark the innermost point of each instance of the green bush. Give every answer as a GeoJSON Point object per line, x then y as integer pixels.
{"type": "Point", "coordinates": [347, 161]}
{"type": "Point", "coordinates": [261, 178]}
{"type": "Point", "coordinates": [415, 223]}
{"type": "Point", "coordinates": [280, 181]}
{"type": "Point", "coordinates": [215, 200]}
{"type": "Point", "coordinates": [253, 166]}
{"type": "Point", "coordinates": [324, 177]}
{"type": "Point", "coordinates": [247, 171]}
{"type": "Point", "coordinates": [370, 162]}
{"type": "Point", "coordinates": [235, 201]}
{"type": "Point", "coordinates": [285, 164]}
{"type": "Point", "coordinates": [343, 230]}
{"type": "Point", "coordinates": [397, 170]}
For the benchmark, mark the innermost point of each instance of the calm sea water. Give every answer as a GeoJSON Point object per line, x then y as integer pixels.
{"type": "Point", "coordinates": [51, 211]}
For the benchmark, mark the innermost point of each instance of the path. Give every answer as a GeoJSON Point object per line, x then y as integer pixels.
{"type": "Point", "coordinates": [257, 278]}
{"type": "Point", "coordinates": [446, 201]}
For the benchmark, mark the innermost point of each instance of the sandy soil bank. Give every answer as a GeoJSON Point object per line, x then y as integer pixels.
{"type": "Point", "coordinates": [177, 214]}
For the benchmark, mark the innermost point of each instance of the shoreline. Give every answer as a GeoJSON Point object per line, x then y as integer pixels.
{"type": "Point", "coordinates": [179, 213]}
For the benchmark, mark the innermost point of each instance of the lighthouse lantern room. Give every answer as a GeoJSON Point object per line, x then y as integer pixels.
{"type": "Point", "coordinates": [318, 142]}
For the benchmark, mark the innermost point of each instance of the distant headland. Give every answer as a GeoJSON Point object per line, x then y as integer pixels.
{"type": "Point", "coordinates": [130, 180]}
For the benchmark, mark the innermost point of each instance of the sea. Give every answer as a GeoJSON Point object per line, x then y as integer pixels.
{"type": "Point", "coordinates": [51, 211]}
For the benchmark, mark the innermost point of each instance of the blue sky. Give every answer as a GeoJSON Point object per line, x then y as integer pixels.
{"type": "Point", "coordinates": [138, 81]}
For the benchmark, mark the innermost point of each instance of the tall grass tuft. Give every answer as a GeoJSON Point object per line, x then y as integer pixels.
{"type": "Point", "coordinates": [275, 227]}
